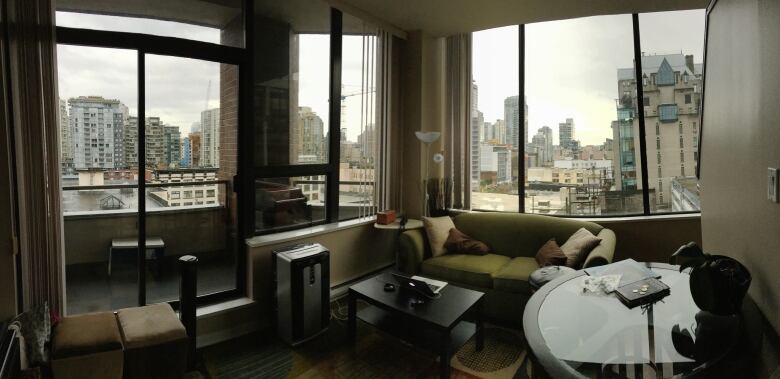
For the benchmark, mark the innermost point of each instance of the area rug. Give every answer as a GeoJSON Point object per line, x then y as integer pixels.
{"type": "Point", "coordinates": [374, 355]}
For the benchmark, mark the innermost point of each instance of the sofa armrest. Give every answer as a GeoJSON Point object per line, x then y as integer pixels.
{"type": "Point", "coordinates": [413, 246]}
{"type": "Point", "coordinates": [604, 252]}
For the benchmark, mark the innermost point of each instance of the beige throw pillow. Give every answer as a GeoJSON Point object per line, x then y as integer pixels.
{"type": "Point", "coordinates": [438, 229]}
{"type": "Point", "coordinates": [578, 246]}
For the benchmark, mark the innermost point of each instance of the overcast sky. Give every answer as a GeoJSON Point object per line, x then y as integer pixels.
{"type": "Point", "coordinates": [571, 66]}
{"type": "Point", "coordinates": [177, 88]}
{"type": "Point", "coordinates": [571, 69]}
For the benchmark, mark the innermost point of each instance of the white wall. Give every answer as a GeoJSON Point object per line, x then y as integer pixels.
{"type": "Point", "coordinates": [741, 139]}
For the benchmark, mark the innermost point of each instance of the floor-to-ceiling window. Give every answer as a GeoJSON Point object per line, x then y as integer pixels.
{"type": "Point", "coordinates": [584, 144]}
{"type": "Point", "coordinates": [149, 122]}
{"type": "Point", "coordinates": [313, 116]}
{"type": "Point", "coordinates": [579, 105]}
{"type": "Point", "coordinates": [497, 115]}
{"type": "Point", "coordinates": [672, 68]}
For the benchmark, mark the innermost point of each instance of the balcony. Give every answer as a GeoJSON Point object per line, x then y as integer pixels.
{"type": "Point", "coordinates": [90, 225]}
{"type": "Point", "coordinates": [96, 215]}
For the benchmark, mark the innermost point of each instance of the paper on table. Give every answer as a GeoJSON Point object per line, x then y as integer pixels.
{"type": "Point", "coordinates": [600, 284]}
{"type": "Point", "coordinates": [630, 270]}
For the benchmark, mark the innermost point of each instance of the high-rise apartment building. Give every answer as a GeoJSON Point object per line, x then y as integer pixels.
{"type": "Point", "coordinates": [171, 145]}
{"type": "Point", "coordinates": [671, 85]}
{"type": "Point", "coordinates": [512, 120]}
{"type": "Point", "coordinates": [366, 140]}
{"type": "Point", "coordinates": [186, 153]}
{"type": "Point", "coordinates": [209, 147]}
{"type": "Point", "coordinates": [119, 134]}
{"type": "Point", "coordinates": [93, 123]}
{"type": "Point", "coordinates": [66, 139]}
{"type": "Point", "coordinates": [195, 139]}
{"type": "Point", "coordinates": [487, 131]}
{"type": "Point", "coordinates": [308, 136]}
{"type": "Point", "coordinates": [154, 144]}
{"type": "Point", "coordinates": [566, 134]}
{"type": "Point", "coordinates": [499, 132]}
{"type": "Point", "coordinates": [477, 120]}
{"type": "Point", "coordinates": [543, 144]}
{"type": "Point", "coordinates": [496, 163]}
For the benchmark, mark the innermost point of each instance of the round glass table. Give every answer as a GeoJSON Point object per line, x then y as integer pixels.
{"type": "Point", "coordinates": [573, 334]}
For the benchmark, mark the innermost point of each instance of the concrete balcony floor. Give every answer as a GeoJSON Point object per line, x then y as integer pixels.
{"type": "Point", "coordinates": [89, 288]}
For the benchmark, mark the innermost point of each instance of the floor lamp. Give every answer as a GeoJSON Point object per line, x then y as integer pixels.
{"type": "Point", "coordinates": [427, 138]}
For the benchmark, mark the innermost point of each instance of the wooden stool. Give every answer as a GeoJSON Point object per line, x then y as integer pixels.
{"type": "Point", "coordinates": [156, 244]}
{"type": "Point", "coordinates": [155, 342]}
{"type": "Point", "coordinates": [87, 346]}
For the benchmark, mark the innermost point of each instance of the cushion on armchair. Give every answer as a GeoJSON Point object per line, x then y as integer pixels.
{"type": "Point", "coordinates": [550, 254]}
{"type": "Point", "coordinates": [579, 246]}
{"type": "Point", "coordinates": [437, 229]}
{"type": "Point", "coordinates": [460, 243]}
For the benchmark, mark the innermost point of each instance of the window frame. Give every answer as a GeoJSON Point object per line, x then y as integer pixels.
{"type": "Point", "coordinates": [147, 44]}
{"type": "Point", "coordinates": [329, 170]}
{"type": "Point", "coordinates": [644, 170]}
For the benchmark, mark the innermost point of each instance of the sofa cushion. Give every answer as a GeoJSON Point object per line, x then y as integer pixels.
{"type": "Point", "coordinates": [86, 334]}
{"type": "Point", "coordinates": [517, 234]}
{"type": "Point", "coordinates": [470, 270]}
{"type": "Point", "coordinates": [578, 246]}
{"type": "Point", "coordinates": [459, 243]}
{"type": "Point", "coordinates": [513, 277]}
{"type": "Point", "coordinates": [438, 229]}
{"type": "Point", "coordinates": [550, 254]}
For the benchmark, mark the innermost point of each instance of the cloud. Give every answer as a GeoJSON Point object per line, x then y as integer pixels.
{"type": "Point", "coordinates": [571, 66]}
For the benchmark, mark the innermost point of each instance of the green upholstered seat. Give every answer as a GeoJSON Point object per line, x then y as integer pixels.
{"type": "Point", "coordinates": [513, 277]}
{"type": "Point", "coordinates": [514, 239]}
{"type": "Point", "coordinates": [516, 235]}
{"type": "Point", "coordinates": [471, 270]}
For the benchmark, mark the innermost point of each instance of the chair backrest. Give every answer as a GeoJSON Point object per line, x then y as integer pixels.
{"type": "Point", "coordinates": [519, 234]}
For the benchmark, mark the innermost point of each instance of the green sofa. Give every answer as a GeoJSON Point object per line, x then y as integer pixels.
{"type": "Point", "coordinates": [514, 239]}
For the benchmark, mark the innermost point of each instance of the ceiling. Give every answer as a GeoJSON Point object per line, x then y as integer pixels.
{"type": "Point", "coordinates": [447, 17]}
{"type": "Point", "coordinates": [213, 13]}
{"type": "Point", "coordinates": [304, 16]}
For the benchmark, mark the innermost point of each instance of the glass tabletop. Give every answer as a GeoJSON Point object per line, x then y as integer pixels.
{"type": "Point", "coordinates": [592, 333]}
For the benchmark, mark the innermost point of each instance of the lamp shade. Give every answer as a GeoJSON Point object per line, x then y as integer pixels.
{"type": "Point", "coordinates": [427, 137]}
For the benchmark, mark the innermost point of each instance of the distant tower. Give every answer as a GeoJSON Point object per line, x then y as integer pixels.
{"type": "Point", "coordinates": [93, 122]}
{"type": "Point", "coordinates": [566, 133]}
{"type": "Point", "coordinates": [209, 148]}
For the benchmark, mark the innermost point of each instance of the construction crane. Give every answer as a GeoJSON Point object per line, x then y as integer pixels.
{"type": "Point", "coordinates": [208, 94]}
{"type": "Point", "coordinates": [344, 104]}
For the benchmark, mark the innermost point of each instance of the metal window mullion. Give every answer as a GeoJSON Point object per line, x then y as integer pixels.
{"type": "Point", "coordinates": [141, 132]}
{"type": "Point", "coordinates": [334, 118]}
{"type": "Point", "coordinates": [246, 137]}
{"type": "Point", "coordinates": [521, 120]}
{"type": "Point", "coordinates": [640, 107]}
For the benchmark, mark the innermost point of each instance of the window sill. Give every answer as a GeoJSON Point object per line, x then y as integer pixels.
{"type": "Point", "coordinates": [225, 306]}
{"type": "Point", "coordinates": [614, 219]}
{"type": "Point", "coordinates": [624, 219]}
{"type": "Point", "coordinates": [292, 235]}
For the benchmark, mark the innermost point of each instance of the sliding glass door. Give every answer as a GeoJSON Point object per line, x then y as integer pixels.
{"type": "Point", "coordinates": [149, 152]}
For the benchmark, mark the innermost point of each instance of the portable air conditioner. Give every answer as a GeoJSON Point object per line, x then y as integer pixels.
{"type": "Point", "coordinates": [302, 291]}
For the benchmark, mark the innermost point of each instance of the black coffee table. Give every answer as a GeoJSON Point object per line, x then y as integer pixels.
{"type": "Point", "coordinates": [437, 325]}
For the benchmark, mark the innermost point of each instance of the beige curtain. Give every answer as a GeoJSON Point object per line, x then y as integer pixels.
{"type": "Point", "coordinates": [33, 82]}
{"type": "Point", "coordinates": [457, 143]}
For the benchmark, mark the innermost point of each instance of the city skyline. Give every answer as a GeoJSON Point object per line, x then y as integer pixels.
{"type": "Point", "coordinates": [178, 98]}
{"type": "Point", "coordinates": [576, 82]}
{"type": "Point", "coordinates": [100, 132]}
